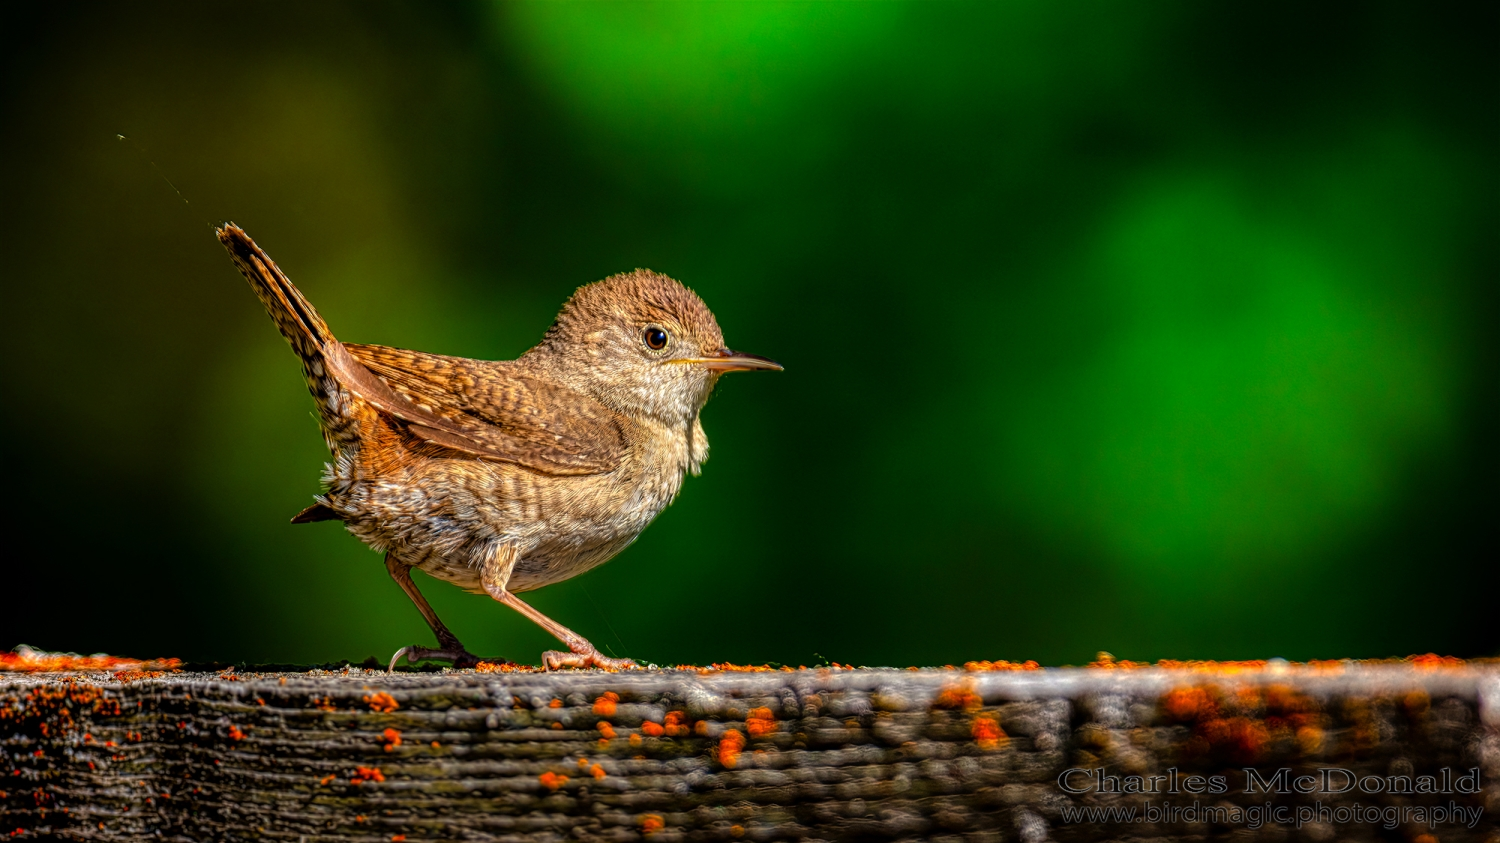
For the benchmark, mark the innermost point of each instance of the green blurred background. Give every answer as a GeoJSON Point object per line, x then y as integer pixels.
{"type": "Point", "coordinates": [1160, 328]}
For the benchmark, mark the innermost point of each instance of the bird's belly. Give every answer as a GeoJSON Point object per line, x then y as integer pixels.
{"type": "Point", "coordinates": [556, 561]}
{"type": "Point", "coordinates": [446, 523]}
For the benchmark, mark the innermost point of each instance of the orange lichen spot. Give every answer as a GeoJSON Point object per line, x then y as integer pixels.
{"type": "Point", "coordinates": [1002, 665]}
{"type": "Point", "coordinates": [730, 667]}
{"type": "Point", "coordinates": [326, 780]}
{"type": "Point", "coordinates": [730, 747]}
{"type": "Point", "coordinates": [635, 740]}
{"type": "Point", "coordinates": [605, 705]}
{"type": "Point", "coordinates": [1433, 661]}
{"type": "Point", "coordinates": [259, 701]}
{"type": "Point", "coordinates": [606, 730]}
{"type": "Point", "coordinates": [326, 704]}
{"type": "Point", "coordinates": [1310, 740]}
{"type": "Point", "coordinates": [551, 780]}
{"type": "Point", "coordinates": [1187, 703]}
{"type": "Point", "coordinates": [381, 702]}
{"type": "Point", "coordinates": [501, 667]}
{"type": "Point", "coordinates": [359, 818]}
{"type": "Point", "coordinates": [235, 733]}
{"type": "Point", "coordinates": [736, 831]}
{"type": "Point", "coordinates": [652, 730]}
{"type": "Point", "coordinates": [1284, 699]}
{"type": "Point", "coordinates": [1106, 661]}
{"type": "Point", "coordinates": [956, 697]}
{"type": "Point", "coordinates": [1416, 703]}
{"type": "Point", "coordinates": [24, 659]}
{"type": "Point", "coordinates": [1240, 738]}
{"type": "Point", "coordinates": [988, 734]}
{"type": "Point", "coordinates": [652, 823]}
{"type": "Point", "coordinates": [596, 771]}
{"type": "Point", "coordinates": [391, 738]}
{"type": "Point", "coordinates": [701, 728]}
{"type": "Point", "coordinates": [557, 726]}
{"type": "Point", "coordinates": [676, 725]}
{"type": "Point", "coordinates": [760, 722]}
{"type": "Point", "coordinates": [366, 774]}
{"type": "Point", "coordinates": [1425, 838]}
{"type": "Point", "coordinates": [556, 703]}
{"type": "Point", "coordinates": [397, 838]}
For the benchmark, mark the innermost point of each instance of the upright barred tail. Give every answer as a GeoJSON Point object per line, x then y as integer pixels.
{"type": "Point", "coordinates": [306, 331]}
{"type": "Point", "coordinates": [292, 312]}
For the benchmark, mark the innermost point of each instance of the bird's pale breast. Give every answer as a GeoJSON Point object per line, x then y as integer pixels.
{"type": "Point", "coordinates": [442, 513]}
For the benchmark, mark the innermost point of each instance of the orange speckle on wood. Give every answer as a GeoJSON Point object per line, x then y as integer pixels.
{"type": "Point", "coordinates": [235, 733]}
{"type": "Point", "coordinates": [596, 771]}
{"type": "Point", "coordinates": [1240, 738]}
{"type": "Point", "coordinates": [604, 706]}
{"type": "Point", "coordinates": [606, 731]}
{"type": "Point", "coordinates": [1310, 740]}
{"type": "Point", "coordinates": [382, 702]}
{"type": "Point", "coordinates": [760, 722]}
{"type": "Point", "coordinates": [1188, 703]}
{"type": "Point", "coordinates": [391, 738]}
{"type": "Point", "coordinates": [1433, 661]}
{"type": "Point", "coordinates": [397, 838]}
{"type": "Point", "coordinates": [1002, 665]}
{"type": "Point", "coordinates": [326, 780]}
{"type": "Point", "coordinates": [652, 823]}
{"type": "Point", "coordinates": [730, 747]}
{"type": "Point", "coordinates": [551, 780]}
{"type": "Point", "coordinates": [957, 696]}
{"type": "Point", "coordinates": [556, 703]}
{"type": "Point", "coordinates": [652, 730]}
{"type": "Point", "coordinates": [366, 774]}
{"type": "Point", "coordinates": [635, 740]}
{"type": "Point", "coordinates": [988, 734]}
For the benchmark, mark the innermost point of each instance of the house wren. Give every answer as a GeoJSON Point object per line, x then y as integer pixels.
{"type": "Point", "coordinates": [506, 476]}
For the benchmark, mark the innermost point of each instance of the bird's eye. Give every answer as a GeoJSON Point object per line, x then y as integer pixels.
{"type": "Point", "coordinates": [654, 338]}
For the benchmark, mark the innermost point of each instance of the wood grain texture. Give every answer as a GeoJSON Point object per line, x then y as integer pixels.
{"type": "Point", "coordinates": [824, 754]}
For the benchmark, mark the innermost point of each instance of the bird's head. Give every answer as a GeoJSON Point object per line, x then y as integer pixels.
{"type": "Point", "coordinates": [643, 344]}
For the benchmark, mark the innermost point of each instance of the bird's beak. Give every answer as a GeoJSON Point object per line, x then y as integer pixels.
{"type": "Point", "coordinates": [725, 360]}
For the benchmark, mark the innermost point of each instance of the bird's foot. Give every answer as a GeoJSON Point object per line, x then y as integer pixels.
{"type": "Point", "coordinates": [460, 657]}
{"type": "Point", "coordinates": [584, 656]}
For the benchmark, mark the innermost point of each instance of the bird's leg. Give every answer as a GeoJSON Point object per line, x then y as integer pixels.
{"type": "Point", "coordinates": [496, 575]}
{"type": "Point", "coordinates": [449, 648]}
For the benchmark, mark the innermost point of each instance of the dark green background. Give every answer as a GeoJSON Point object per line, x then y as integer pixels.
{"type": "Point", "coordinates": [1160, 328]}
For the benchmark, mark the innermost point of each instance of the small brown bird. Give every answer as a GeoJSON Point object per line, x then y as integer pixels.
{"type": "Point", "coordinates": [506, 476]}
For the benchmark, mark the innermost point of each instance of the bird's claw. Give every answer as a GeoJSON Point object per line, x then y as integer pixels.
{"type": "Point", "coordinates": [458, 656]}
{"type": "Point", "coordinates": [590, 657]}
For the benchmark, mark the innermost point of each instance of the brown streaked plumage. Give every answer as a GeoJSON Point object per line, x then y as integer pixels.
{"type": "Point", "coordinates": [506, 476]}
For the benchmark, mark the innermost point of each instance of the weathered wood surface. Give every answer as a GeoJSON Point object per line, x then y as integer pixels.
{"type": "Point", "coordinates": [356, 755]}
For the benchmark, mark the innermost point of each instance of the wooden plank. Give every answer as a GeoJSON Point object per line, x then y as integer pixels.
{"type": "Point", "coordinates": [831, 754]}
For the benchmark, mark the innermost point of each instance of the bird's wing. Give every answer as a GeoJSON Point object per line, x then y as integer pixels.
{"type": "Point", "coordinates": [482, 409]}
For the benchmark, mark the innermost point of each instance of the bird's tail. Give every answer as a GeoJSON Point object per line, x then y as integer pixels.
{"type": "Point", "coordinates": [308, 334]}
{"type": "Point", "coordinates": [289, 309]}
